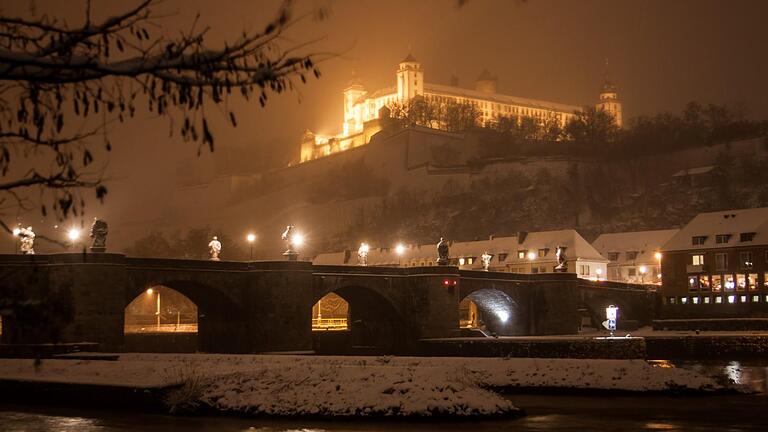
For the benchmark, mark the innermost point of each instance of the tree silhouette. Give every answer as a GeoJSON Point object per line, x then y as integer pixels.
{"type": "Point", "coordinates": [62, 86]}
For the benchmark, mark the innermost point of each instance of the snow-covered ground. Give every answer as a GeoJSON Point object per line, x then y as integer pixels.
{"type": "Point", "coordinates": [315, 385]}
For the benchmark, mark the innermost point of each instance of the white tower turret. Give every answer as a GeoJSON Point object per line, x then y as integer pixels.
{"type": "Point", "coordinates": [609, 100]}
{"type": "Point", "coordinates": [410, 78]}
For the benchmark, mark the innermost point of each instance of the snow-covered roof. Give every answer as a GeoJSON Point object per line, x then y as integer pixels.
{"type": "Point", "coordinates": [576, 248]}
{"type": "Point", "coordinates": [694, 171]}
{"type": "Point", "coordinates": [644, 243]}
{"type": "Point", "coordinates": [730, 222]}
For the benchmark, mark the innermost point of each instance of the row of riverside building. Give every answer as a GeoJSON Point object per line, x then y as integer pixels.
{"type": "Point", "coordinates": [716, 266]}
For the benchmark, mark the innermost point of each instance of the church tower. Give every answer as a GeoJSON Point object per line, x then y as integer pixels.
{"type": "Point", "coordinates": [353, 115]}
{"type": "Point", "coordinates": [609, 99]}
{"type": "Point", "coordinates": [410, 79]}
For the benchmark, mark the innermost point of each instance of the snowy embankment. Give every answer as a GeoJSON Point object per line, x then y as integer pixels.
{"type": "Point", "coordinates": [354, 386]}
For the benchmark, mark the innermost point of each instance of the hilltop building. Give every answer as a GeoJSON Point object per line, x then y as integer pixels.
{"type": "Point", "coordinates": [522, 253]}
{"type": "Point", "coordinates": [634, 257]}
{"type": "Point", "coordinates": [364, 111]}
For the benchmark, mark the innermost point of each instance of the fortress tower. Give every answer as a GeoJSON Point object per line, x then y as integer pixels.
{"type": "Point", "coordinates": [410, 78]}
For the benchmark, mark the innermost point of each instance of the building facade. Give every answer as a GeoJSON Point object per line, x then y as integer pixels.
{"type": "Point", "coordinates": [717, 266]}
{"type": "Point", "coordinates": [634, 257]}
{"type": "Point", "coordinates": [362, 109]}
{"type": "Point", "coordinates": [522, 253]}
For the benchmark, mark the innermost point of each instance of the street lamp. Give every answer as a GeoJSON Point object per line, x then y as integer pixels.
{"type": "Point", "coordinates": [73, 234]}
{"type": "Point", "coordinates": [16, 231]}
{"type": "Point", "coordinates": [399, 250]}
{"type": "Point", "coordinates": [658, 256]}
{"type": "Point", "coordinates": [643, 271]}
{"type": "Point", "coordinates": [251, 237]}
{"type": "Point", "coordinates": [157, 312]}
{"type": "Point", "coordinates": [297, 240]}
{"type": "Point", "coordinates": [599, 273]}
{"type": "Point", "coordinates": [362, 254]}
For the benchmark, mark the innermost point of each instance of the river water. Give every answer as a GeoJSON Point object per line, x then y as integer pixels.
{"type": "Point", "coordinates": [546, 412]}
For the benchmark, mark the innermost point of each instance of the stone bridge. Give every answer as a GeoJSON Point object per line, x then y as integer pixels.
{"type": "Point", "coordinates": [267, 306]}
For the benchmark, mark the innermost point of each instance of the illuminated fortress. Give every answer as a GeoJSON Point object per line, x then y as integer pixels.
{"type": "Point", "coordinates": [361, 109]}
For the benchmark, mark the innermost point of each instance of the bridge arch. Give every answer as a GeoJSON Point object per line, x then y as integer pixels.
{"type": "Point", "coordinates": [221, 326]}
{"type": "Point", "coordinates": [374, 323]}
{"type": "Point", "coordinates": [493, 310]}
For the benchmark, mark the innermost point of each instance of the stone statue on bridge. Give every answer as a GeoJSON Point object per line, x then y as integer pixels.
{"type": "Point", "coordinates": [442, 252]}
{"type": "Point", "coordinates": [562, 260]}
{"type": "Point", "coordinates": [99, 231]}
{"type": "Point", "coordinates": [486, 259]}
{"type": "Point", "coordinates": [27, 238]}
{"type": "Point", "coordinates": [289, 243]}
{"type": "Point", "coordinates": [214, 247]}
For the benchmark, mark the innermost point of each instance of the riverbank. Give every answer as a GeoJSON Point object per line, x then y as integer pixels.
{"type": "Point", "coordinates": [316, 386]}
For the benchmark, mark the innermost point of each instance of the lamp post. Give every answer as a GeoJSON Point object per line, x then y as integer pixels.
{"type": "Point", "coordinates": [399, 250]}
{"type": "Point", "coordinates": [16, 232]}
{"type": "Point", "coordinates": [362, 254]}
{"type": "Point", "coordinates": [599, 273]}
{"type": "Point", "coordinates": [251, 237]}
{"type": "Point", "coordinates": [643, 270]}
{"type": "Point", "coordinates": [531, 256]}
{"type": "Point", "coordinates": [157, 312]}
{"type": "Point", "coordinates": [658, 256]}
{"type": "Point", "coordinates": [73, 234]}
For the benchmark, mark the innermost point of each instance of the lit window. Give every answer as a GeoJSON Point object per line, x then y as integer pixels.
{"type": "Point", "coordinates": [706, 300]}
{"type": "Point", "coordinates": [743, 299]}
{"type": "Point", "coordinates": [697, 259]}
{"type": "Point", "coordinates": [722, 238]}
{"type": "Point", "coordinates": [521, 254]}
{"type": "Point", "coordinates": [461, 261]}
{"type": "Point", "coordinates": [698, 240]}
{"type": "Point", "coordinates": [752, 281]}
{"type": "Point", "coordinates": [470, 260]}
{"type": "Point", "coordinates": [717, 283]}
{"type": "Point", "coordinates": [741, 282]}
{"type": "Point", "coordinates": [721, 261]}
{"type": "Point", "coordinates": [672, 300]}
{"type": "Point", "coordinates": [695, 300]}
{"type": "Point", "coordinates": [718, 299]}
{"type": "Point", "coordinates": [766, 298]}
{"type": "Point", "coordinates": [731, 299]}
{"type": "Point", "coordinates": [683, 300]}
{"type": "Point", "coordinates": [693, 283]}
{"type": "Point", "coordinates": [704, 282]}
{"type": "Point", "coordinates": [730, 284]}
{"type": "Point", "coordinates": [755, 299]}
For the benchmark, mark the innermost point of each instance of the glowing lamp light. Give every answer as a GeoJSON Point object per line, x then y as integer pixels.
{"type": "Point", "coordinates": [16, 231]}
{"type": "Point", "coordinates": [297, 240]}
{"type": "Point", "coordinates": [251, 238]}
{"type": "Point", "coordinates": [73, 234]}
{"type": "Point", "coordinates": [657, 255]}
{"type": "Point", "coordinates": [643, 269]}
{"type": "Point", "coordinates": [150, 291]}
{"type": "Point", "coordinates": [503, 315]}
{"type": "Point", "coordinates": [399, 249]}
{"type": "Point", "coordinates": [531, 255]}
{"type": "Point", "coordinates": [364, 247]}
